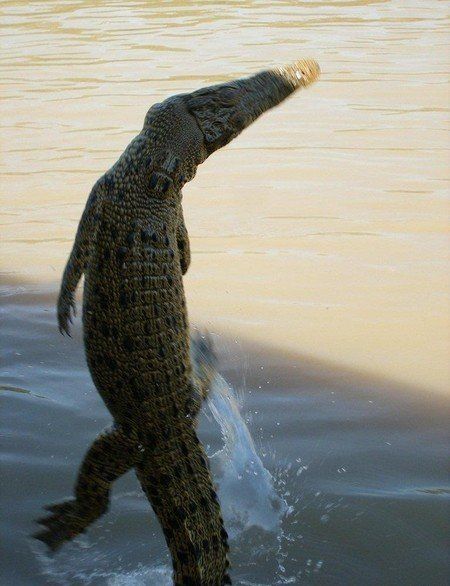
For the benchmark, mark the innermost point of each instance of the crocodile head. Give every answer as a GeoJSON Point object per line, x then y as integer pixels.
{"type": "Point", "coordinates": [187, 128]}
{"type": "Point", "coordinates": [223, 111]}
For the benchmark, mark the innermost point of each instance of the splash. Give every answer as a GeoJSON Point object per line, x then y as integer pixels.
{"type": "Point", "coordinates": [246, 488]}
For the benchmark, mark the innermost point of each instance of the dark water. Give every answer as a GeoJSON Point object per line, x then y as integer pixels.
{"type": "Point", "coordinates": [351, 486]}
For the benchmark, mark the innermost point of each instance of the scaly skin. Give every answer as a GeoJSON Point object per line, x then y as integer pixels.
{"type": "Point", "coordinates": [132, 247]}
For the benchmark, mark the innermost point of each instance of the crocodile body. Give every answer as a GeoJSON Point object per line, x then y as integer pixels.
{"type": "Point", "coordinates": [132, 247]}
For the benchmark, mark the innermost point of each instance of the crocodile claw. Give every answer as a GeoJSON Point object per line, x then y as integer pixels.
{"type": "Point", "coordinates": [66, 311]}
{"type": "Point", "coordinates": [68, 519]}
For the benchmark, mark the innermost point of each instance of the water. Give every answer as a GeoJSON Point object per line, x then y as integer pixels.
{"type": "Point", "coordinates": [320, 264]}
{"type": "Point", "coordinates": [323, 480]}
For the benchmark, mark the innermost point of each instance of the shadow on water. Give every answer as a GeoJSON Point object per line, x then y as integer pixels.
{"type": "Point", "coordinates": [326, 476]}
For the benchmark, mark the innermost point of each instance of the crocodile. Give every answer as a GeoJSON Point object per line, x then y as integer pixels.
{"type": "Point", "coordinates": [133, 249]}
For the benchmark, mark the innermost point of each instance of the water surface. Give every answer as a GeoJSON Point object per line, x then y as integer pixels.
{"type": "Point", "coordinates": [320, 264]}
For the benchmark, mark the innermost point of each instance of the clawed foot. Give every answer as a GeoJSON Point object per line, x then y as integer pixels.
{"type": "Point", "coordinates": [67, 310]}
{"type": "Point", "coordinates": [68, 519]}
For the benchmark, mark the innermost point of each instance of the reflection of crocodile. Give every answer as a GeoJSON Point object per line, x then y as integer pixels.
{"type": "Point", "coordinates": [133, 249]}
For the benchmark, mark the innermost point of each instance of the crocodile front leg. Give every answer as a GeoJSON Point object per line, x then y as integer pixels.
{"type": "Point", "coordinates": [78, 259]}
